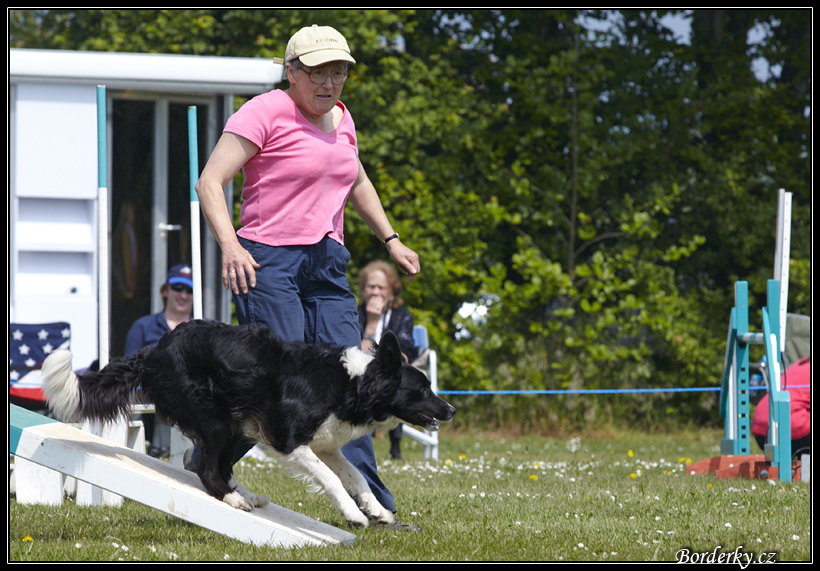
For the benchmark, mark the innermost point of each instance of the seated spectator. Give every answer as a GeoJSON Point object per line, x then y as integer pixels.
{"type": "Point", "coordinates": [796, 380]}
{"type": "Point", "coordinates": [178, 302]}
{"type": "Point", "coordinates": [381, 310]}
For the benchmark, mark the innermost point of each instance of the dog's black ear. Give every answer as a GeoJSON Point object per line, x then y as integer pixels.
{"type": "Point", "coordinates": [381, 379]}
{"type": "Point", "coordinates": [388, 351]}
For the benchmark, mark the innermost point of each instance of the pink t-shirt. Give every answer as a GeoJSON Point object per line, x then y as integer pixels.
{"type": "Point", "coordinates": [796, 380]}
{"type": "Point", "coordinates": [297, 184]}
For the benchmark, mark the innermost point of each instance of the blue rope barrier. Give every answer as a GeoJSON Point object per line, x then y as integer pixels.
{"type": "Point", "coordinates": [596, 391]}
{"type": "Point", "coordinates": [575, 391]}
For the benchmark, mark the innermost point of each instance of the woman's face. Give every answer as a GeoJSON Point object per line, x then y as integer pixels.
{"type": "Point", "coordinates": [377, 286]}
{"type": "Point", "coordinates": [315, 99]}
{"type": "Point", "coordinates": [180, 299]}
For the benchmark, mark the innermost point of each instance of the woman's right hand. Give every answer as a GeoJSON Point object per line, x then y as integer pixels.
{"type": "Point", "coordinates": [238, 269]}
{"type": "Point", "coordinates": [228, 157]}
{"type": "Point", "coordinates": [376, 306]}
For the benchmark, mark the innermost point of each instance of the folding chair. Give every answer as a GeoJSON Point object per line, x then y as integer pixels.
{"type": "Point", "coordinates": [426, 361]}
{"type": "Point", "coordinates": [29, 345]}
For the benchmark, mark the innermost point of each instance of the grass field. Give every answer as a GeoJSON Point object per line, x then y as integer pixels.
{"type": "Point", "coordinates": [614, 496]}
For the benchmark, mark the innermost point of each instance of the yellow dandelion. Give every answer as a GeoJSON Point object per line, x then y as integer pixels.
{"type": "Point", "coordinates": [633, 475]}
{"type": "Point", "coordinates": [533, 477]}
{"type": "Point", "coordinates": [630, 453]}
{"type": "Point", "coordinates": [28, 538]}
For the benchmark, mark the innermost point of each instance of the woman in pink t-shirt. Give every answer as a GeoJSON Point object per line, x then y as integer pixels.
{"type": "Point", "coordinates": [287, 263]}
{"type": "Point", "coordinates": [254, 149]}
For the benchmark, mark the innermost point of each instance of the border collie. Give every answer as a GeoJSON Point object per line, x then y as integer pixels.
{"type": "Point", "coordinates": [219, 383]}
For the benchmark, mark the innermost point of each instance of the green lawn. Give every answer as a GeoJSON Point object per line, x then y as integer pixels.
{"type": "Point", "coordinates": [619, 496]}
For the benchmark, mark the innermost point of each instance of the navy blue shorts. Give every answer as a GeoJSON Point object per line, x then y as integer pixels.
{"type": "Point", "coordinates": [302, 293]}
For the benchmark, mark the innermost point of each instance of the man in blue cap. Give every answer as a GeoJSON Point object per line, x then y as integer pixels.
{"type": "Point", "coordinates": [178, 302]}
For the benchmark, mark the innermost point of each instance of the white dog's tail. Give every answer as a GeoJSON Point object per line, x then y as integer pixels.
{"type": "Point", "coordinates": [61, 386]}
{"type": "Point", "coordinates": [103, 395]}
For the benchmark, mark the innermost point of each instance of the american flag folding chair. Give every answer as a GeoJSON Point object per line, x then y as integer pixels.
{"type": "Point", "coordinates": [29, 345]}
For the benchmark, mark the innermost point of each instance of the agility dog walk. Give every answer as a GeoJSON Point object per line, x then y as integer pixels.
{"type": "Point", "coordinates": [159, 485]}
{"type": "Point", "coordinates": [220, 383]}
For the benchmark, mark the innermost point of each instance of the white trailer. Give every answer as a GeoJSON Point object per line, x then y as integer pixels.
{"type": "Point", "coordinates": [53, 181]}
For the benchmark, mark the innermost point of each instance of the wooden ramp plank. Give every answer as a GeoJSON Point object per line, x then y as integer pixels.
{"type": "Point", "coordinates": [159, 485]}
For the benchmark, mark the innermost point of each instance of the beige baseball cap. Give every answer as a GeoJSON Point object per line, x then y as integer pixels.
{"type": "Point", "coordinates": [317, 45]}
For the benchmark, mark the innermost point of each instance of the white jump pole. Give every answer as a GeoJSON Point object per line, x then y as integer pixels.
{"type": "Point", "coordinates": [193, 166]}
{"type": "Point", "coordinates": [781, 259]}
{"type": "Point", "coordinates": [117, 432]}
{"type": "Point", "coordinates": [102, 228]}
{"type": "Point", "coordinates": [179, 442]}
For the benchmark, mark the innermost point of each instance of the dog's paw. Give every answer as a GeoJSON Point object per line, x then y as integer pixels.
{"type": "Point", "coordinates": [357, 520]}
{"type": "Point", "coordinates": [235, 500]}
{"type": "Point", "coordinates": [379, 515]}
{"type": "Point", "coordinates": [253, 499]}
{"type": "Point", "coordinates": [385, 517]}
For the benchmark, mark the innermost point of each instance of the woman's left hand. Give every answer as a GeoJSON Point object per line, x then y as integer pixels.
{"type": "Point", "coordinates": [406, 259]}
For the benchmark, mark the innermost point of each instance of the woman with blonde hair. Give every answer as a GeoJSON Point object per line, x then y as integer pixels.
{"type": "Point", "coordinates": [382, 310]}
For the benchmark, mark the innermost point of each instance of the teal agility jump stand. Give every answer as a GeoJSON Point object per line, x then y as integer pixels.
{"type": "Point", "coordinates": [736, 459]}
{"type": "Point", "coordinates": [734, 396]}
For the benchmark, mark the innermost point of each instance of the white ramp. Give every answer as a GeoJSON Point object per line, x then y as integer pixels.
{"type": "Point", "coordinates": [157, 484]}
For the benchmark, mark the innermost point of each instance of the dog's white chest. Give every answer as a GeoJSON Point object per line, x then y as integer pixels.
{"type": "Point", "coordinates": [335, 433]}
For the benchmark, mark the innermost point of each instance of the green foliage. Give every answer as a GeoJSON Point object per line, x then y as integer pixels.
{"type": "Point", "coordinates": [596, 193]}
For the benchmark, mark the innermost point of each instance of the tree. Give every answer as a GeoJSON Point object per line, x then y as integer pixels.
{"type": "Point", "coordinates": [596, 192]}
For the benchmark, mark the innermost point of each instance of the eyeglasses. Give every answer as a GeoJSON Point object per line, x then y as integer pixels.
{"type": "Point", "coordinates": [182, 287]}
{"type": "Point", "coordinates": [319, 76]}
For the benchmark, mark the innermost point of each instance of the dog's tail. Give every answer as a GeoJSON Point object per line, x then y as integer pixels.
{"type": "Point", "coordinates": [104, 396]}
